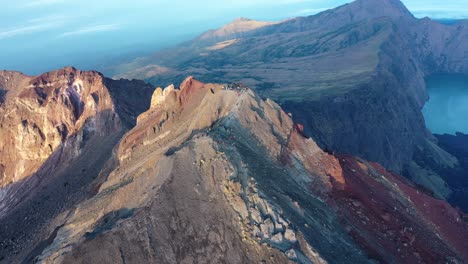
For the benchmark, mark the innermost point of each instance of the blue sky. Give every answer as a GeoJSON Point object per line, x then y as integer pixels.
{"type": "Point", "coordinates": [41, 35]}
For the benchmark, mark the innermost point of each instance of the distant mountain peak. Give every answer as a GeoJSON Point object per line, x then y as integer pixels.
{"type": "Point", "coordinates": [234, 29]}
{"type": "Point", "coordinates": [375, 8]}
{"type": "Point", "coordinates": [240, 20]}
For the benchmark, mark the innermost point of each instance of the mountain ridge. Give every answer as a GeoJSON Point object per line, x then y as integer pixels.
{"type": "Point", "coordinates": [226, 126]}
{"type": "Point", "coordinates": [204, 152]}
{"type": "Point", "coordinates": [296, 142]}
{"type": "Point", "coordinates": [344, 58]}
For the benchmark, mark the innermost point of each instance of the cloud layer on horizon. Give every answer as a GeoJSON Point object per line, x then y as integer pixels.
{"type": "Point", "coordinates": [91, 12]}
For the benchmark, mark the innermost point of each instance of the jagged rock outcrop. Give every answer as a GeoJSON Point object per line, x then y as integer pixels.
{"type": "Point", "coordinates": [213, 173]}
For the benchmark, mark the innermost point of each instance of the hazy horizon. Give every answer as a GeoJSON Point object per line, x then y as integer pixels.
{"type": "Point", "coordinates": [42, 35]}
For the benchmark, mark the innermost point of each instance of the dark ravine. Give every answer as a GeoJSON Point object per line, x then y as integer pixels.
{"type": "Point", "coordinates": [2, 95]}
{"type": "Point", "coordinates": [131, 98]}
{"type": "Point", "coordinates": [458, 146]}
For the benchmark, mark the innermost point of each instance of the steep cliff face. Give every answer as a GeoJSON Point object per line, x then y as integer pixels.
{"type": "Point", "coordinates": [39, 114]}
{"type": "Point", "coordinates": [215, 173]}
{"type": "Point", "coordinates": [57, 131]}
{"type": "Point", "coordinates": [441, 48]}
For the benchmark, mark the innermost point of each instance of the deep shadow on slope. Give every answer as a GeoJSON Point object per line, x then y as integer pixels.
{"type": "Point", "coordinates": [458, 146]}
{"type": "Point", "coordinates": [131, 98]}
{"type": "Point", "coordinates": [51, 191]}
{"type": "Point", "coordinates": [2, 95]}
{"type": "Point", "coordinates": [372, 123]}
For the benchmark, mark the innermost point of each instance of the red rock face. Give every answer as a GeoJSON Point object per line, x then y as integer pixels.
{"type": "Point", "coordinates": [324, 169]}
{"type": "Point", "coordinates": [393, 221]}
{"type": "Point", "coordinates": [188, 87]}
{"type": "Point", "coordinates": [384, 213]}
{"type": "Point", "coordinates": [449, 222]}
{"type": "Point", "coordinates": [300, 129]}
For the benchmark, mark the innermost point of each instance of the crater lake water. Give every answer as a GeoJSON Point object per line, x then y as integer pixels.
{"type": "Point", "coordinates": [446, 112]}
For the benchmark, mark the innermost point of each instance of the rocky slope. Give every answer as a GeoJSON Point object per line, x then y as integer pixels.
{"type": "Point", "coordinates": [57, 131]}
{"type": "Point", "coordinates": [354, 76]}
{"type": "Point", "coordinates": [40, 114]}
{"type": "Point", "coordinates": [213, 173]}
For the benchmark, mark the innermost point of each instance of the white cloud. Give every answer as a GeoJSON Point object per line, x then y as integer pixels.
{"type": "Point", "coordinates": [22, 30]}
{"type": "Point", "coordinates": [309, 11]}
{"type": "Point", "coordinates": [49, 19]}
{"type": "Point", "coordinates": [91, 29]}
{"type": "Point", "coordinates": [438, 9]}
{"type": "Point", "coordinates": [33, 25]}
{"type": "Point", "coordinates": [260, 3]}
{"type": "Point", "coordinates": [40, 3]}
{"type": "Point", "coordinates": [441, 12]}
